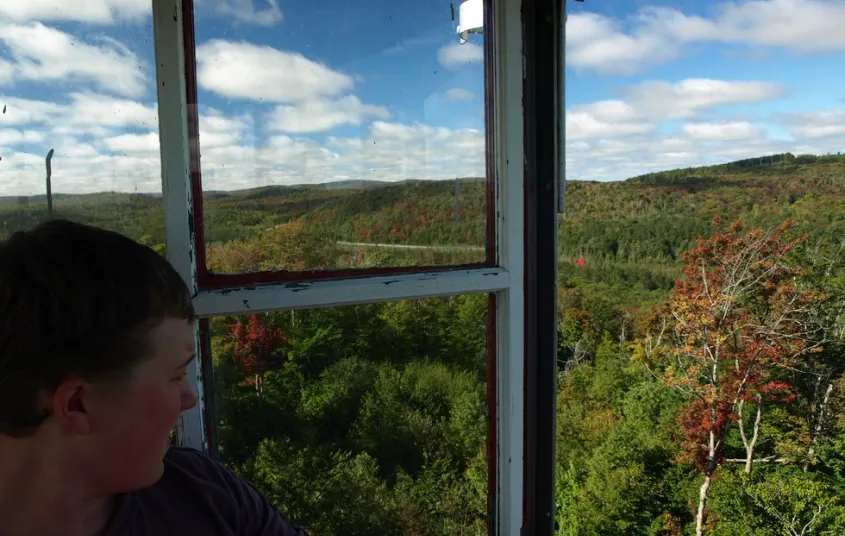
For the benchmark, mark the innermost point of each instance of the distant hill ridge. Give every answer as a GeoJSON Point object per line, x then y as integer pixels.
{"type": "Point", "coordinates": [650, 218]}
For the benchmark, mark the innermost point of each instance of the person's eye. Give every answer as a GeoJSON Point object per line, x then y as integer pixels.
{"type": "Point", "coordinates": [180, 378]}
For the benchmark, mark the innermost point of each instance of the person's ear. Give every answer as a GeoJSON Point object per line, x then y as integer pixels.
{"type": "Point", "coordinates": [71, 406]}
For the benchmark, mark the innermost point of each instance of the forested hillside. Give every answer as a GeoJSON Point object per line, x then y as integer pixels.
{"type": "Point", "coordinates": [701, 352]}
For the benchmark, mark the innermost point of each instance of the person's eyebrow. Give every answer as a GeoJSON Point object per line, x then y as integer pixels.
{"type": "Point", "coordinates": [187, 361]}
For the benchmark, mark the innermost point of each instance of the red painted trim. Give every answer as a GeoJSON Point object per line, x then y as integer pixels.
{"type": "Point", "coordinates": [223, 281]}
{"type": "Point", "coordinates": [198, 231]}
{"type": "Point", "coordinates": [492, 416]}
{"type": "Point", "coordinates": [489, 130]}
{"type": "Point", "coordinates": [492, 258]}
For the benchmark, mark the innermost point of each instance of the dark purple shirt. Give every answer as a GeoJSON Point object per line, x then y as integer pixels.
{"type": "Point", "coordinates": [198, 496]}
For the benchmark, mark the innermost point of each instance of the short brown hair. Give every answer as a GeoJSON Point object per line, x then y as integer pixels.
{"type": "Point", "coordinates": [76, 300]}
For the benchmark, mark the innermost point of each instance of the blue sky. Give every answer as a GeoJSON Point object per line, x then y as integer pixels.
{"type": "Point", "coordinates": [306, 92]}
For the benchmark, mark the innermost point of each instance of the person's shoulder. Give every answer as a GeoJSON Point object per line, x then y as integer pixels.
{"type": "Point", "coordinates": [195, 472]}
{"type": "Point", "coordinates": [188, 460]}
{"type": "Point", "coordinates": [220, 487]}
{"type": "Point", "coordinates": [191, 468]}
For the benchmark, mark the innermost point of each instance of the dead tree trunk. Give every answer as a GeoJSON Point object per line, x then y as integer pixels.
{"type": "Point", "coordinates": [705, 486]}
{"type": "Point", "coordinates": [702, 503]}
{"type": "Point", "coordinates": [751, 444]}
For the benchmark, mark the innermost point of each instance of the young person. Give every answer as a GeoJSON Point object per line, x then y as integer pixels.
{"type": "Point", "coordinates": [96, 334]}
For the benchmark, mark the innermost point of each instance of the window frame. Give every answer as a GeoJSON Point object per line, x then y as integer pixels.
{"type": "Point", "coordinates": [207, 280]}
{"type": "Point", "coordinates": [544, 119]}
{"type": "Point", "coordinates": [516, 422]}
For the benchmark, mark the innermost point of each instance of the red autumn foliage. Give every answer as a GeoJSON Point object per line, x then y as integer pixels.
{"type": "Point", "coordinates": [737, 317]}
{"type": "Point", "coordinates": [255, 347]}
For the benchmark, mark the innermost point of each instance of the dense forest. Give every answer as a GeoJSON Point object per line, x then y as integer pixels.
{"type": "Point", "coordinates": [701, 366]}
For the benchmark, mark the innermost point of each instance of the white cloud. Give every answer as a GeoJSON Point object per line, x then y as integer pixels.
{"type": "Point", "coordinates": [133, 143]}
{"type": "Point", "coordinates": [91, 11]}
{"type": "Point", "coordinates": [688, 97]}
{"type": "Point", "coordinates": [91, 109]}
{"type": "Point", "coordinates": [711, 143]}
{"type": "Point", "coordinates": [24, 111]}
{"type": "Point", "coordinates": [321, 115]}
{"type": "Point", "coordinates": [243, 70]}
{"type": "Point", "coordinates": [218, 130]}
{"type": "Point", "coordinates": [595, 42]}
{"type": "Point", "coordinates": [656, 34]}
{"type": "Point", "coordinates": [234, 156]}
{"type": "Point", "coordinates": [119, 151]}
{"type": "Point", "coordinates": [628, 157]}
{"type": "Point", "coordinates": [82, 114]}
{"type": "Point", "coordinates": [42, 54]}
{"type": "Point", "coordinates": [10, 136]}
{"type": "Point", "coordinates": [459, 94]}
{"type": "Point", "coordinates": [78, 167]}
{"type": "Point", "coordinates": [647, 104]}
{"type": "Point", "coordinates": [815, 125]}
{"type": "Point", "coordinates": [387, 152]}
{"type": "Point", "coordinates": [7, 71]}
{"type": "Point", "coordinates": [727, 131]}
{"type": "Point", "coordinates": [801, 25]}
{"type": "Point", "coordinates": [246, 11]}
{"type": "Point", "coordinates": [597, 120]}
{"type": "Point", "coordinates": [455, 55]}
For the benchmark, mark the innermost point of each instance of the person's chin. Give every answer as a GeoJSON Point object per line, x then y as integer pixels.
{"type": "Point", "coordinates": [155, 474]}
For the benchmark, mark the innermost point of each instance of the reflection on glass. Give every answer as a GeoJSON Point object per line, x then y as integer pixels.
{"type": "Point", "coordinates": [77, 91]}
{"type": "Point", "coordinates": [352, 133]}
{"type": "Point", "coordinates": [701, 392]}
{"type": "Point", "coordinates": [365, 419]}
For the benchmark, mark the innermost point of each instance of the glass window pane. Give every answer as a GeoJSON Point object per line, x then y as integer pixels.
{"type": "Point", "coordinates": [77, 85]}
{"type": "Point", "coordinates": [366, 419]}
{"type": "Point", "coordinates": [338, 135]}
{"type": "Point", "coordinates": [701, 363]}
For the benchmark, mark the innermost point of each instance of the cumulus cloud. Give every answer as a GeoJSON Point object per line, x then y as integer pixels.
{"type": "Point", "coordinates": [246, 11]}
{"type": "Point", "coordinates": [665, 100]}
{"type": "Point", "coordinates": [386, 152]}
{"type": "Point", "coordinates": [455, 55]}
{"type": "Point", "coordinates": [815, 125]}
{"type": "Point", "coordinates": [320, 115]}
{"type": "Point", "coordinates": [80, 114]}
{"type": "Point", "coordinates": [90, 11]}
{"type": "Point", "coordinates": [219, 130]}
{"type": "Point", "coordinates": [699, 143]}
{"type": "Point", "coordinates": [10, 136]}
{"type": "Point", "coordinates": [646, 105]}
{"type": "Point", "coordinates": [39, 53]}
{"type": "Point", "coordinates": [312, 96]}
{"type": "Point", "coordinates": [726, 131]}
{"type": "Point", "coordinates": [235, 153]}
{"type": "Point", "coordinates": [133, 143]}
{"type": "Point", "coordinates": [655, 35]}
{"type": "Point", "coordinates": [596, 42]}
{"type": "Point", "coordinates": [801, 25]}
{"type": "Point", "coordinates": [459, 94]}
{"type": "Point", "coordinates": [242, 70]}
{"type": "Point", "coordinates": [604, 119]}
{"type": "Point", "coordinates": [80, 167]}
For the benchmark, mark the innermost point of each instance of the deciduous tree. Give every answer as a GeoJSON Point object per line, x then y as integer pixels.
{"type": "Point", "coordinates": [738, 318]}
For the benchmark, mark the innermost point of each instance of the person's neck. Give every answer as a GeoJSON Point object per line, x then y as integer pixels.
{"type": "Point", "coordinates": [42, 494]}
